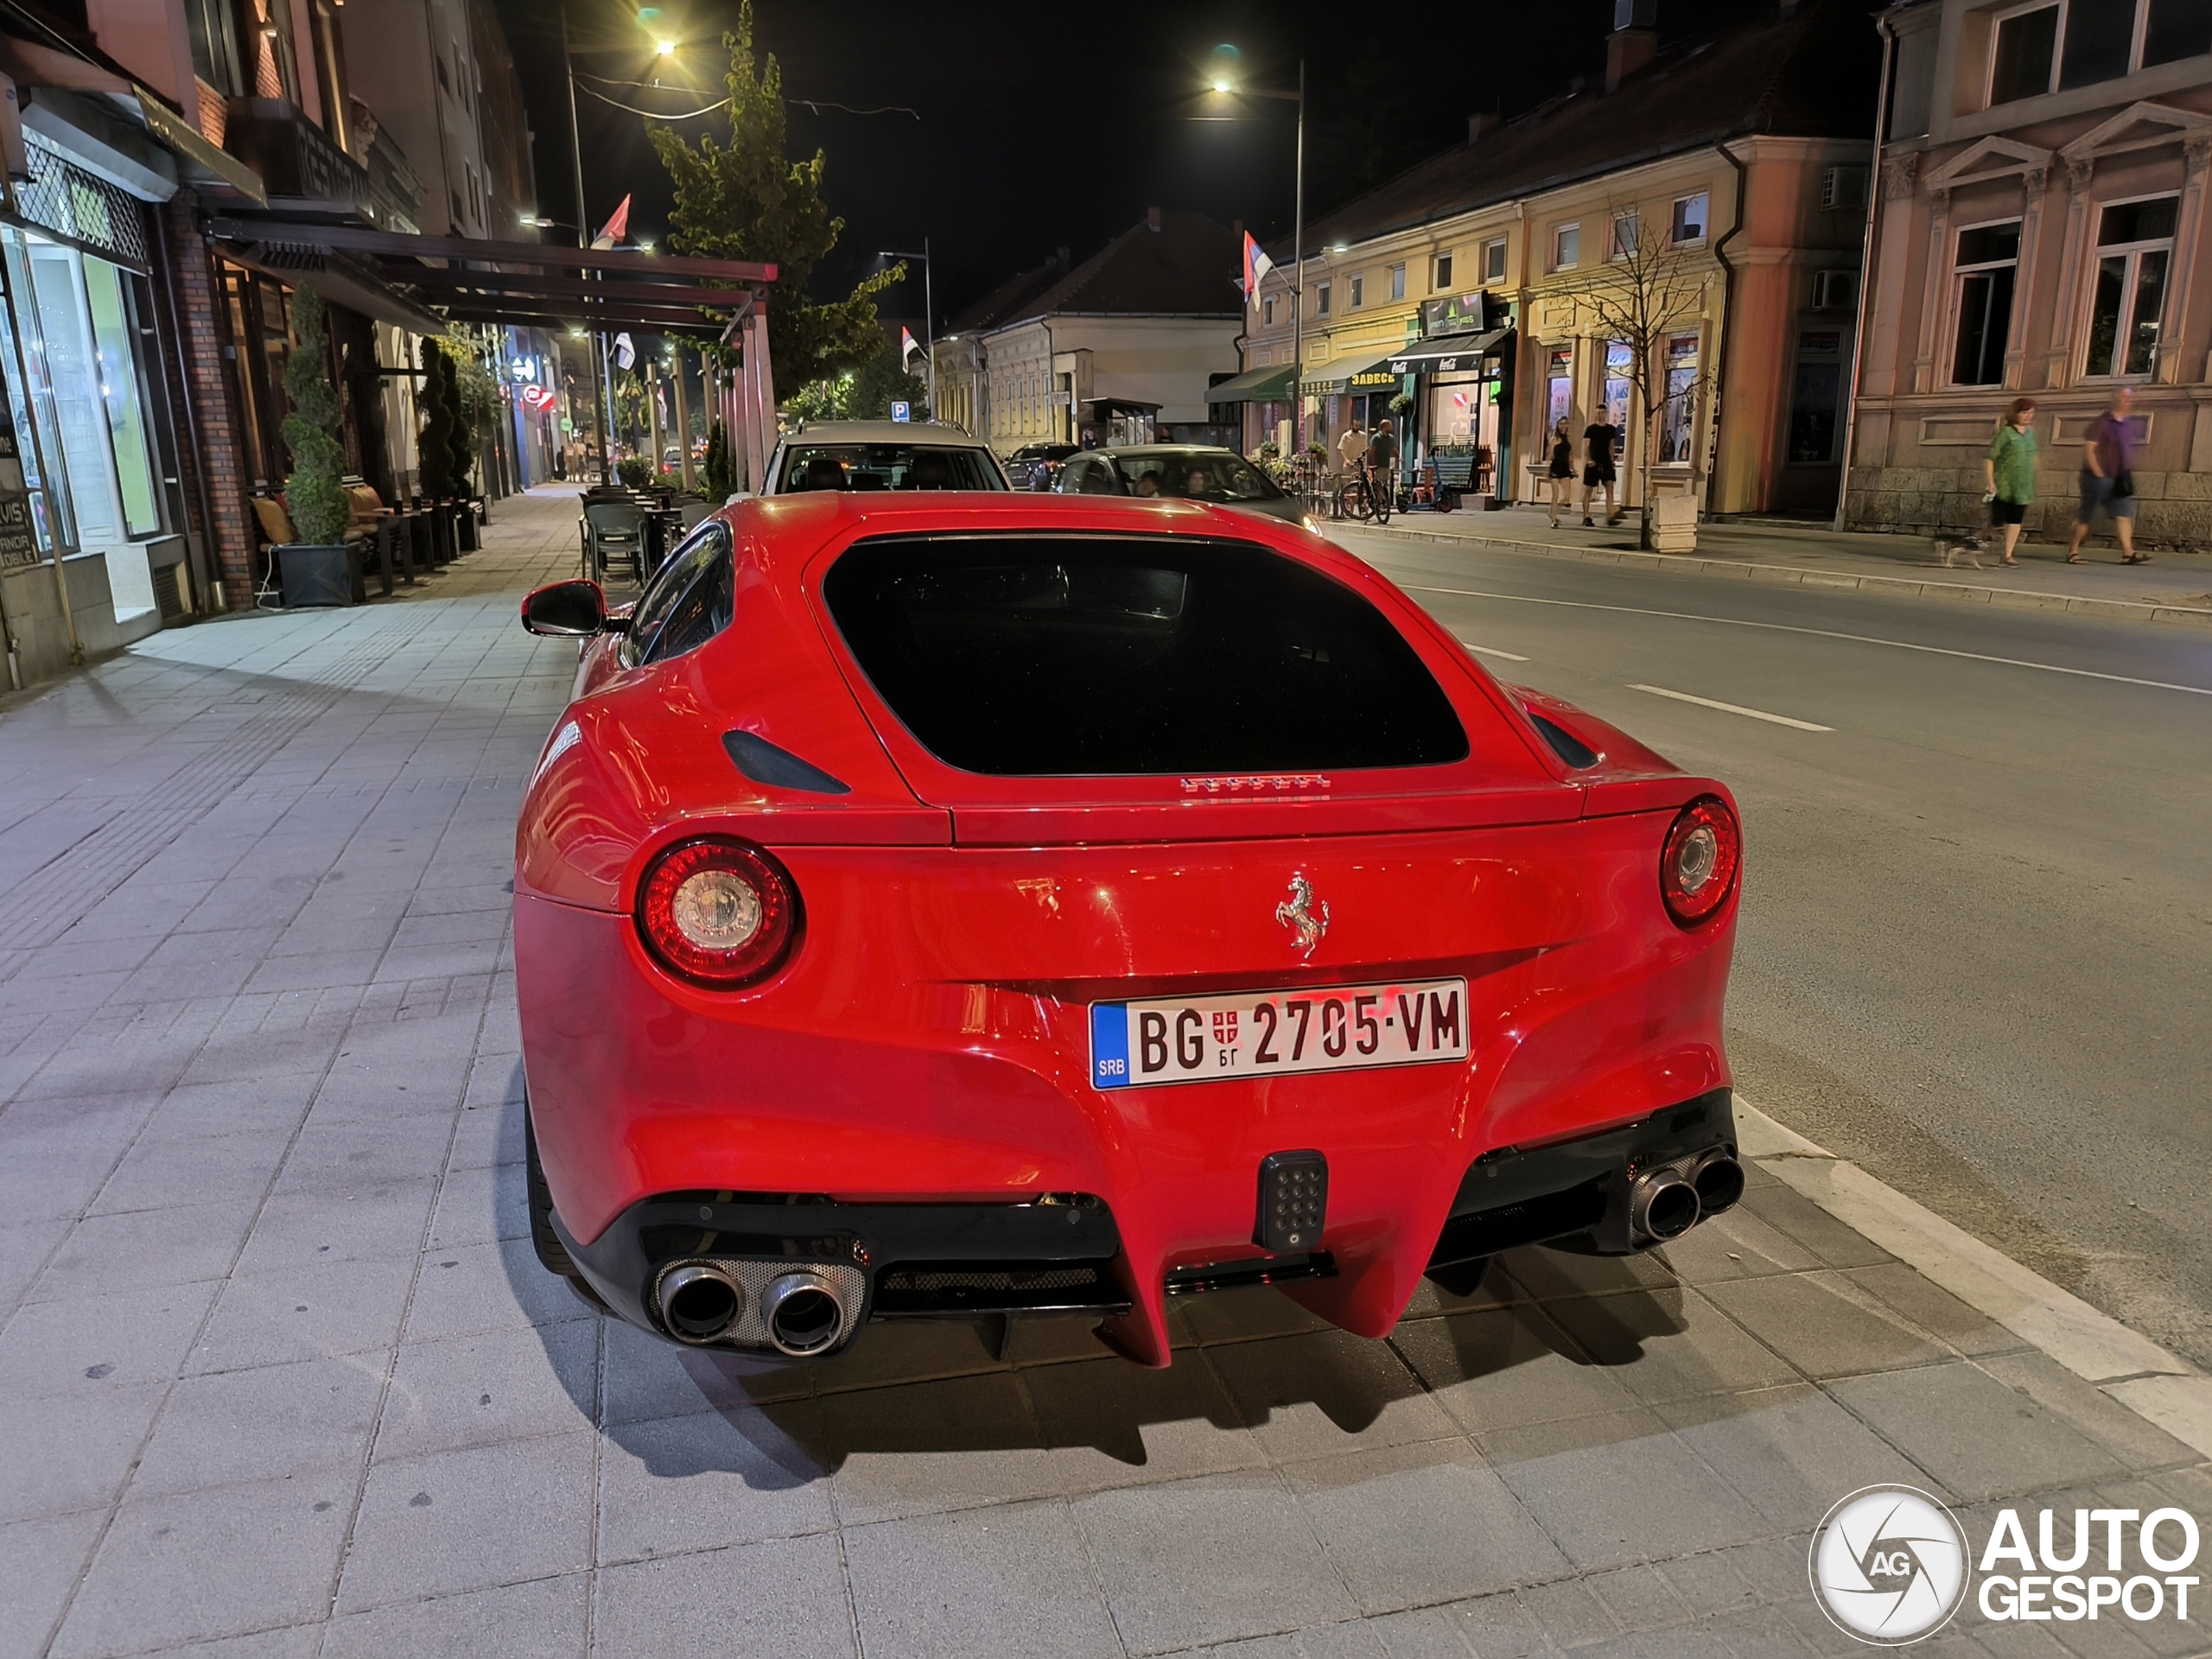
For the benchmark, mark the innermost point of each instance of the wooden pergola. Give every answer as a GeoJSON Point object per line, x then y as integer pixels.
{"type": "Point", "coordinates": [543, 285]}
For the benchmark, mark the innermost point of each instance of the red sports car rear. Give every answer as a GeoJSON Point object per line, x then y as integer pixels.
{"type": "Point", "coordinates": [949, 906]}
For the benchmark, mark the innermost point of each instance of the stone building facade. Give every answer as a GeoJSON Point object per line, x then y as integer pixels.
{"type": "Point", "coordinates": [2040, 232]}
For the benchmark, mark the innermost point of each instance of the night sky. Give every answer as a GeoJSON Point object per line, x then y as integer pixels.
{"type": "Point", "coordinates": [1037, 125]}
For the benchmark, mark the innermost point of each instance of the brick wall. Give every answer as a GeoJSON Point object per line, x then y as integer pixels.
{"type": "Point", "coordinates": [203, 336]}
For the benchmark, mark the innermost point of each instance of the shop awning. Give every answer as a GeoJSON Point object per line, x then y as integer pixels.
{"type": "Point", "coordinates": [1449, 355]}
{"type": "Point", "coordinates": [1354, 374]}
{"type": "Point", "coordinates": [527, 284]}
{"type": "Point", "coordinates": [1267, 385]}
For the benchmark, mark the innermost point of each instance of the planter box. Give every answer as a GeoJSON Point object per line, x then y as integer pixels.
{"type": "Point", "coordinates": [312, 574]}
{"type": "Point", "coordinates": [1674, 523]}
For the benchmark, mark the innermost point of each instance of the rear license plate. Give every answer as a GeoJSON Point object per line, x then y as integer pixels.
{"type": "Point", "coordinates": [1259, 1034]}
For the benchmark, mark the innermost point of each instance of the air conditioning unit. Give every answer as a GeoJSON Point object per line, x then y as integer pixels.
{"type": "Point", "coordinates": [1843, 187]}
{"type": "Point", "coordinates": [1834, 290]}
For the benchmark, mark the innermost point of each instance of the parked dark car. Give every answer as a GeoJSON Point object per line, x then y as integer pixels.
{"type": "Point", "coordinates": [1184, 472]}
{"type": "Point", "coordinates": [1034, 466]}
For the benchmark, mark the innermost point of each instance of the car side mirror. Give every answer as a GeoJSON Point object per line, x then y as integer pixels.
{"type": "Point", "coordinates": [570, 610]}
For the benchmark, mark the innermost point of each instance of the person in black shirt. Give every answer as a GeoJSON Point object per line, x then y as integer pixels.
{"type": "Point", "coordinates": [1600, 439]}
{"type": "Point", "coordinates": [1562, 471]}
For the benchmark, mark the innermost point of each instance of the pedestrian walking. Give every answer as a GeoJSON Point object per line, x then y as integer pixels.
{"type": "Point", "coordinates": [1562, 468]}
{"type": "Point", "coordinates": [2108, 480]}
{"type": "Point", "coordinates": [2009, 472]}
{"type": "Point", "coordinates": [1599, 440]}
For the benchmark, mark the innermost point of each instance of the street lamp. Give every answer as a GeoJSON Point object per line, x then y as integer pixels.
{"type": "Point", "coordinates": [928, 317]}
{"type": "Point", "coordinates": [1227, 88]}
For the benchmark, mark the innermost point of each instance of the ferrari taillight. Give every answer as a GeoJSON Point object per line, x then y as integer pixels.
{"type": "Point", "coordinates": [1697, 870]}
{"type": "Point", "coordinates": [718, 913]}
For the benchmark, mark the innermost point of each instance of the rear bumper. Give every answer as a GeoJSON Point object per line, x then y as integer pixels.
{"type": "Point", "coordinates": [1065, 1255]}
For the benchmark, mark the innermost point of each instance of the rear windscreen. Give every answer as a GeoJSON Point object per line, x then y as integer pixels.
{"type": "Point", "coordinates": [887, 467]}
{"type": "Point", "coordinates": [1044, 656]}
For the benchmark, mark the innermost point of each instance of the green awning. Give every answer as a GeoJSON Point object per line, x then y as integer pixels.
{"type": "Point", "coordinates": [1269, 386]}
{"type": "Point", "coordinates": [1354, 374]}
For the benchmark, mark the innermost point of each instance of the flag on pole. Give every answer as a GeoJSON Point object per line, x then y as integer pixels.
{"type": "Point", "coordinates": [1256, 266]}
{"type": "Point", "coordinates": [625, 354]}
{"type": "Point", "coordinates": [908, 346]}
{"type": "Point", "coordinates": [614, 230]}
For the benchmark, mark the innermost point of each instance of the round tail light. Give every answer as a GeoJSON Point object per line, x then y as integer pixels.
{"type": "Point", "coordinates": [1697, 870]}
{"type": "Point", "coordinates": [718, 913]}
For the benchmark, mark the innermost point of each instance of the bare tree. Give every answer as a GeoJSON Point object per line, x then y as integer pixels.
{"type": "Point", "coordinates": [1647, 292]}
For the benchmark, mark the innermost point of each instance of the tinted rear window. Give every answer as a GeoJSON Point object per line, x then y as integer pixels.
{"type": "Point", "coordinates": [887, 467]}
{"type": "Point", "coordinates": [1037, 656]}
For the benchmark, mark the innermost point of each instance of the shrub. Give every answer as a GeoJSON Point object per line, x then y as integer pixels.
{"type": "Point", "coordinates": [635, 471]}
{"type": "Point", "coordinates": [434, 445]}
{"type": "Point", "coordinates": [314, 495]}
{"type": "Point", "coordinates": [721, 477]}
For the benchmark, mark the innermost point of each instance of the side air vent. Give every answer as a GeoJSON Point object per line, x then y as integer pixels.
{"type": "Point", "coordinates": [764, 763]}
{"type": "Point", "coordinates": [1564, 743]}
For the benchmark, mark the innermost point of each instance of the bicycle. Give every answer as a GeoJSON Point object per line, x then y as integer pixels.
{"type": "Point", "coordinates": [1367, 496]}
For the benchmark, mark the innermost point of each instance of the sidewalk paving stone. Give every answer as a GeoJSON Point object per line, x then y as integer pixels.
{"type": "Point", "coordinates": [282, 1376]}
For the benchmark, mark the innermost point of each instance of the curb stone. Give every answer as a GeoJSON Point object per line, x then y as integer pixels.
{"type": "Point", "coordinates": [2122, 610]}
{"type": "Point", "coordinates": [2164, 1390]}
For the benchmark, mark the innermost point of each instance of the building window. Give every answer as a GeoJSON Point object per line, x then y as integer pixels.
{"type": "Point", "coordinates": [1320, 299]}
{"type": "Point", "coordinates": [1988, 257]}
{"type": "Point", "coordinates": [1443, 278]}
{"type": "Point", "coordinates": [1397, 282]}
{"type": "Point", "coordinates": [2100, 40]}
{"type": "Point", "coordinates": [2025, 55]}
{"type": "Point", "coordinates": [1678, 418]}
{"type": "Point", "coordinates": [1494, 260]}
{"type": "Point", "coordinates": [213, 27]}
{"type": "Point", "coordinates": [1358, 292]}
{"type": "Point", "coordinates": [2135, 243]}
{"type": "Point", "coordinates": [1624, 242]}
{"type": "Point", "coordinates": [1567, 247]}
{"type": "Point", "coordinates": [1816, 396]}
{"type": "Point", "coordinates": [1558, 390]}
{"type": "Point", "coordinates": [1620, 375]}
{"type": "Point", "coordinates": [1690, 217]}
{"type": "Point", "coordinates": [2176, 29]}
{"type": "Point", "coordinates": [1268, 312]}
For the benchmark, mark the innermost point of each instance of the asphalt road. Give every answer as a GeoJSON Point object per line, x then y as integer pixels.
{"type": "Point", "coordinates": [1976, 950]}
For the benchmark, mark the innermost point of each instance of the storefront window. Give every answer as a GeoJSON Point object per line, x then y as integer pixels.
{"type": "Point", "coordinates": [1454, 409]}
{"type": "Point", "coordinates": [1559, 401]}
{"type": "Point", "coordinates": [1816, 396]}
{"type": "Point", "coordinates": [1620, 375]}
{"type": "Point", "coordinates": [30, 397]}
{"type": "Point", "coordinates": [1678, 422]}
{"type": "Point", "coordinates": [123, 391]}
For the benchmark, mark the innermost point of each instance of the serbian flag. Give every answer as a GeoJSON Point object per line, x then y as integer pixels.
{"type": "Point", "coordinates": [908, 346]}
{"type": "Point", "coordinates": [1256, 266]}
{"type": "Point", "coordinates": [625, 352]}
{"type": "Point", "coordinates": [614, 230]}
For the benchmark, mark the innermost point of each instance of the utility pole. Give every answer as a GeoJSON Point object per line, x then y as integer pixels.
{"type": "Point", "coordinates": [601, 401]}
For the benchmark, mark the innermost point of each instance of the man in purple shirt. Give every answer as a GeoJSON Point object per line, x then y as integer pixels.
{"type": "Point", "coordinates": [2107, 478]}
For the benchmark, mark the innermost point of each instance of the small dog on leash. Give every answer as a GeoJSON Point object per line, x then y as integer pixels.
{"type": "Point", "coordinates": [1948, 547]}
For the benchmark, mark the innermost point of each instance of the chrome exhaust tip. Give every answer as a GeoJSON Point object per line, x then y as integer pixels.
{"type": "Point", "coordinates": [699, 1302]}
{"type": "Point", "coordinates": [803, 1315]}
{"type": "Point", "coordinates": [1662, 1206]}
{"type": "Point", "coordinates": [1719, 1183]}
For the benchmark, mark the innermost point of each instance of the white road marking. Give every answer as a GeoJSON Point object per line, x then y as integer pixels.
{"type": "Point", "coordinates": [1492, 651]}
{"type": "Point", "coordinates": [1732, 708]}
{"type": "Point", "coordinates": [1819, 633]}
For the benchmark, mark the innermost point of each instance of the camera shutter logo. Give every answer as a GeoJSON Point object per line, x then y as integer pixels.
{"type": "Point", "coordinates": [1889, 1566]}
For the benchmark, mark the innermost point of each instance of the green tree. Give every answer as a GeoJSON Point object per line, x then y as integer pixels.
{"type": "Point", "coordinates": [720, 476]}
{"type": "Point", "coordinates": [746, 199]}
{"type": "Point", "coordinates": [433, 444]}
{"type": "Point", "coordinates": [314, 496]}
{"type": "Point", "coordinates": [462, 442]}
{"type": "Point", "coordinates": [476, 396]}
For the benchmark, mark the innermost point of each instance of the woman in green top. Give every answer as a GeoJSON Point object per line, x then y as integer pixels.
{"type": "Point", "coordinates": [2009, 471]}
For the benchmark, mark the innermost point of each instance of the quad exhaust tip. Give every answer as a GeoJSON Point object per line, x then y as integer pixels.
{"type": "Point", "coordinates": [1718, 1181]}
{"type": "Point", "coordinates": [803, 1315]}
{"type": "Point", "coordinates": [1662, 1206]}
{"type": "Point", "coordinates": [699, 1302]}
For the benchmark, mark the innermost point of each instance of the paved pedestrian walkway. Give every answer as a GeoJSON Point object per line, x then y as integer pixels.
{"type": "Point", "coordinates": [2176, 587]}
{"type": "Point", "coordinates": [279, 1375]}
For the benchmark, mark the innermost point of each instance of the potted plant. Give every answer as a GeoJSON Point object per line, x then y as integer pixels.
{"type": "Point", "coordinates": [318, 569]}
{"type": "Point", "coordinates": [720, 476]}
{"type": "Point", "coordinates": [635, 471]}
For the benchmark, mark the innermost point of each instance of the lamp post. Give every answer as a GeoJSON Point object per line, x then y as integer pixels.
{"type": "Point", "coordinates": [603, 404]}
{"type": "Point", "coordinates": [1297, 252]}
{"type": "Point", "coordinates": [928, 317]}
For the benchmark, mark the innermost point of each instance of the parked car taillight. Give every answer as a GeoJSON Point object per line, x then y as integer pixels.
{"type": "Point", "coordinates": [717, 912]}
{"type": "Point", "coordinates": [1697, 870]}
